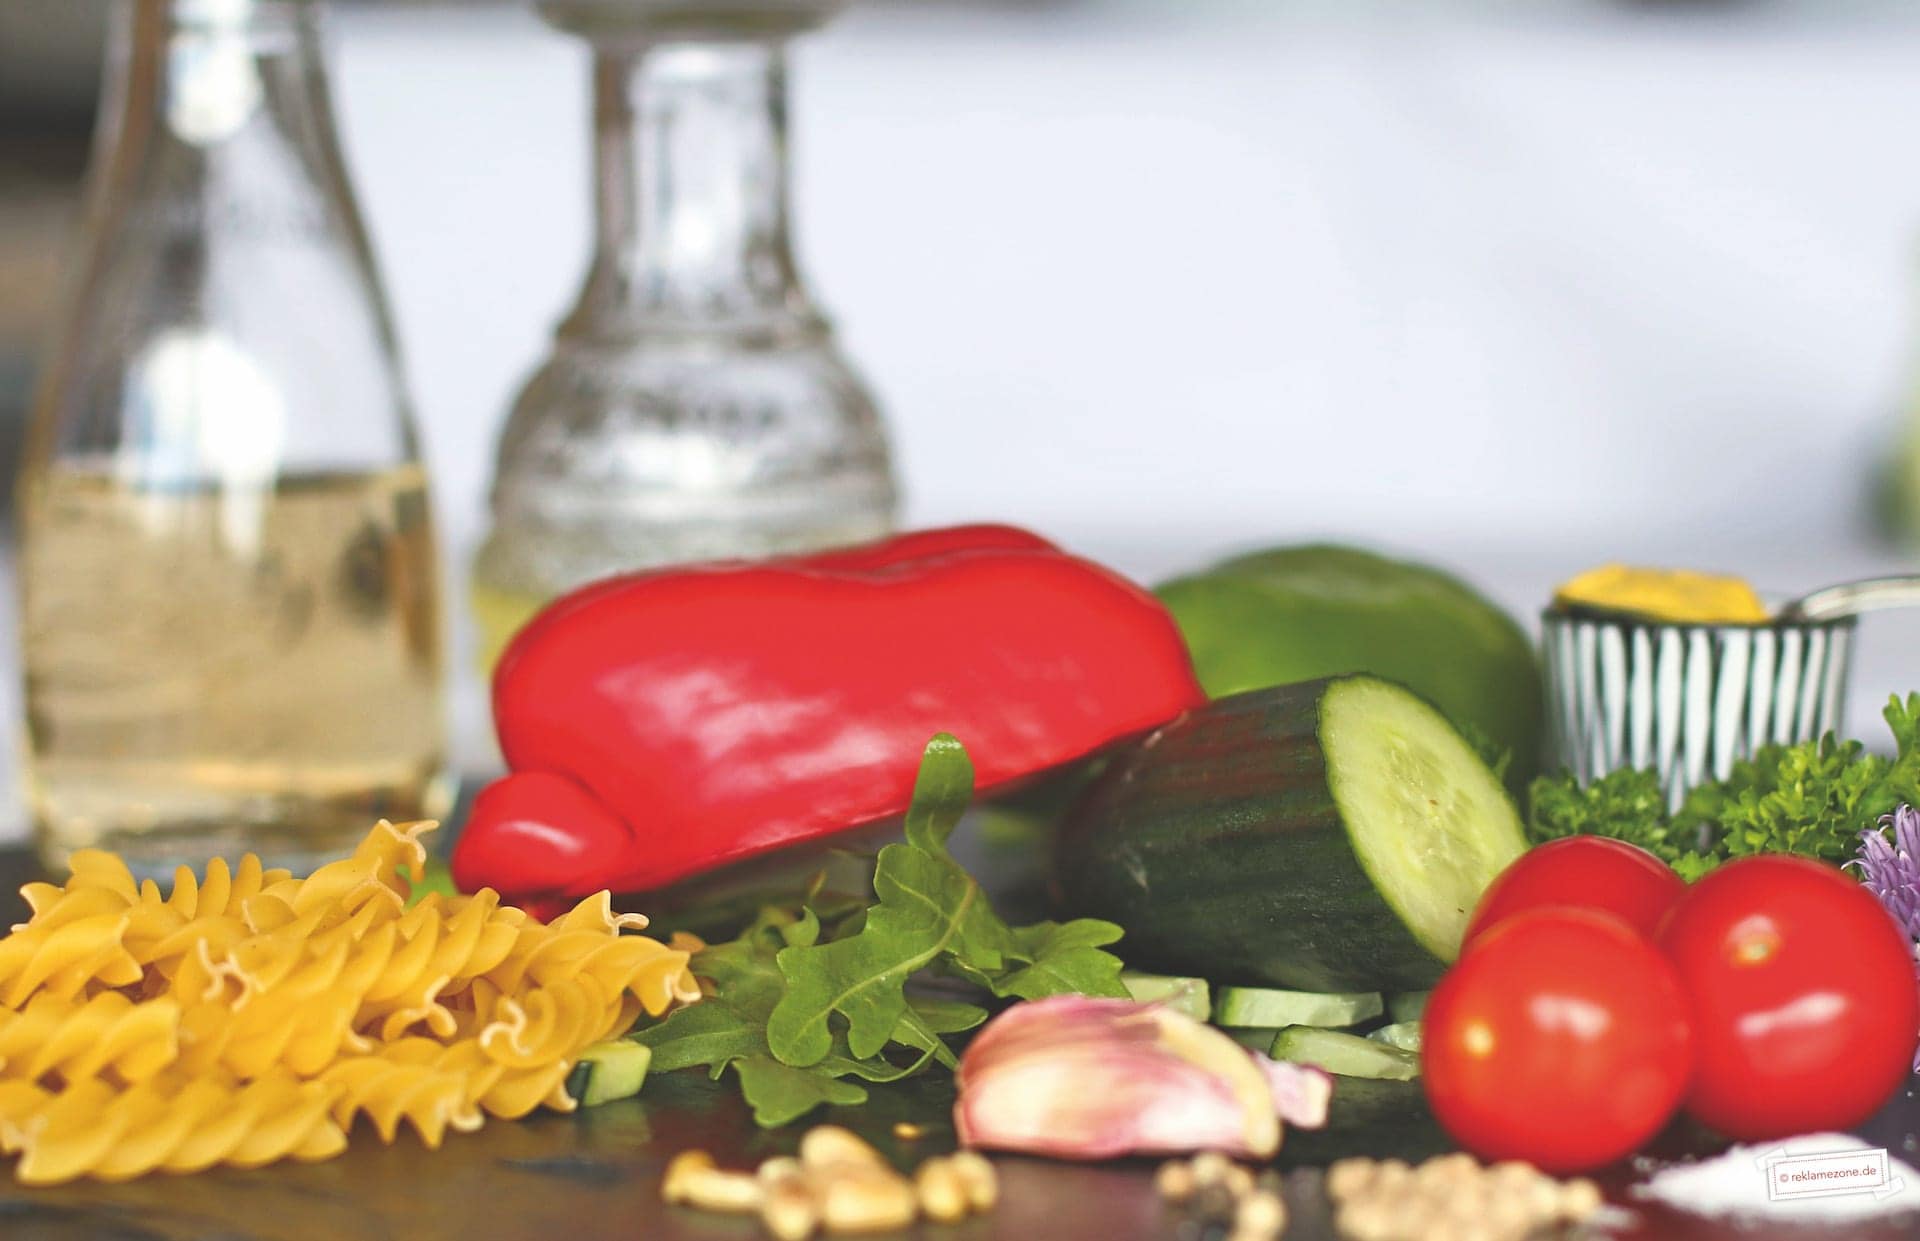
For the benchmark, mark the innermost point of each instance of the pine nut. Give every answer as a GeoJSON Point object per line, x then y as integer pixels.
{"type": "Point", "coordinates": [865, 1201]}
{"type": "Point", "coordinates": [823, 1146]}
{"type": "Point", "coordinates": [981, 1181]}
{"type": "Point", "coordinates": [789, 1212]}
{"type": "Point", "coordinates": [777, 1169]}
{"type": "Point", "coordinates": [942, 1194]}
{"type": "Point", "coordinates": [679, 1169]}
{"type": "Point", "coordinates": [712, 1189]}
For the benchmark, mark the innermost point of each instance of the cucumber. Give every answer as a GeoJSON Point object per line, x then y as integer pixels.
{"type": "Point", "coordinates": [609, 1071]}
{"type": "Point", "coordinates": [1402, 1034]}
{"type": "Point", "coordinates": [1373, 1117]}
{"type": "Point", "coordinates": [1182, 995]}
{"type": "Point", "coordinates": [1260, 1006]}
{"type": "Point", "coordinates": [1349, 1055]}
{"type": "Point", "coordinates": [1327, 836]}
{"type": "Point", "coordinates": [1407, 1005]}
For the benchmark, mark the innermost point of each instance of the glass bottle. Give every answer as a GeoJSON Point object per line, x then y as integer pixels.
{"type": "Point", "coordinates": [695, 404]}
{"type": "Point", "coordinates": [229, 588]}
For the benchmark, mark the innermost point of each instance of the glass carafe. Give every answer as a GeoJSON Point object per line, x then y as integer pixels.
{"type": "Point", "coordinates": [695, 404]}
{"type": "Point", "coordinates": [229, 589]}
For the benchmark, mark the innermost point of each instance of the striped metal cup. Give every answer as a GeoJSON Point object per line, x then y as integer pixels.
{"type": "Point", "coordinates": [1687, 700]}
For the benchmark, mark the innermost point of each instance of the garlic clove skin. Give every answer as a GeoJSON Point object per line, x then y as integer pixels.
{"type": "Point", "coordinates": [1300, 1092]}
{"type": "Point", "coordinates": [1081, 1078]}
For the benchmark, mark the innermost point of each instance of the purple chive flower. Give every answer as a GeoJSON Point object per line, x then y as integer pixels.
{"type": "Point", "coordinates": [1892, 872]}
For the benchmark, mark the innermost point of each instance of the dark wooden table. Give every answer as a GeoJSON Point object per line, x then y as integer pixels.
{"type": "Point", "coordinates": [595, 1176]}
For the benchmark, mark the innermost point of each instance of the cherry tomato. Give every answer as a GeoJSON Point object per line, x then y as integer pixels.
{"type": "Point", "coordinates": [1590, 872]}
{"type": "Point", "coordinates": [1803, 997]}
{"type": "Point", "coordinates": [1562, 1038]}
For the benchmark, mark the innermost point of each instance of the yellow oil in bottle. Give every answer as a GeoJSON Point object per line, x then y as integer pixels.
{"type": "Point", "coordinates": [225, 669]}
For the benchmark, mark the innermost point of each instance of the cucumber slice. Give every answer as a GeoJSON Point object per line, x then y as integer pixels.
{"type": "Point", "coordinates": [1402, 1034]}
{"type": "Point", "coordinates": [609, 1071]}
{"type": "Point", "coordinates": [1430, 824]}
{"type": "Point", "coordinates": [1261, 1006]}
{"type": "Point", "coordinates": [1407, 1005]}
{"type": "Point", "coordinates": [1329, 836]}
{"type": "Point", "coordinates": [1182, 995]}
{"type": "Point", "coordinates": [1346, 1054]}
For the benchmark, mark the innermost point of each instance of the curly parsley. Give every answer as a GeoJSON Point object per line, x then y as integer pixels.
{"type": "Point", "coordinates": [1813, 798]}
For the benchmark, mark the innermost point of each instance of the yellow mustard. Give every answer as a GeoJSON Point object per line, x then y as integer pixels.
{"type": "Point", "coordinates": [1678, 595]}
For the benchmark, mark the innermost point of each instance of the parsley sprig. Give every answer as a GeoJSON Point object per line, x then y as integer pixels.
{"type": "Point", "coordinates": [812, 999]}
{"type": "Point", "coordinates": [1813, 798]}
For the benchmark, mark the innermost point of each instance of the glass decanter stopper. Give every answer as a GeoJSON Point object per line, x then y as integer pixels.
{"type": "Point", "coordinates": [695, 404]}
{"type": "Point", "coordinates": [229, 589]}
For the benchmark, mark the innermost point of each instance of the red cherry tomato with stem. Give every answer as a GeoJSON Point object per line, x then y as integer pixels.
{"type": "Point", "coordinates": [1803, 997]}
{"type": "Point", "coordinates": [1562, 1038]}
{"type": "Point", "coordinates": [1588, 872]}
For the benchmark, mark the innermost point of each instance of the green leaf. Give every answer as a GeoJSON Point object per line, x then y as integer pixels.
{"type": "Point", "coordinates": [1064, 959]}
{"type": "Point", "coordinates": [708, 1033]}
{"type": "Point", "coordinates": [780, 1094]}
{"type": "Point", "coordinates": [817, 991]}
{"type": "Point", "coordinates": [941, 792]}
{"type": "Point", "coordinates": [928, 906]}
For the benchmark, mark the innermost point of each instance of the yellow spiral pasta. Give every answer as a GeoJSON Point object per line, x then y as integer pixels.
{"type": "Point", "coordinates": [173, 1125]}
{"type": "Point", "coordinates": [587, 941]}
{"type": "Point", "coordinates": [107, 1034]}
{"type": "Point", "coordinates": [66, 956]}
{"type": "Point", "coordinates": [250, 1015]}
{"type": "Point", "coordinates": [429, 1085]}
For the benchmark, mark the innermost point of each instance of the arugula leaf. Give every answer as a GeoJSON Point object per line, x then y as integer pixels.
{"type": "Point", "coordinates": [1063, 957]}
{"type": "Point", "coordinates": [927, 906]}
{"type": "Point", "coordinates": [812, 994]}
{"type": "Point", "coordinates": [1813, 798]}
{"type": "Point", "coordinates": [781, 1094]}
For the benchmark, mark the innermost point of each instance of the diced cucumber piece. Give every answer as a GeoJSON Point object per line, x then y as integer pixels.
{"type": "Point", "coordinates": [1182, 995]}
{"type": "Point", "coordinates": [1262, 1006]}
{"type": "Point", "coordinates": [609, 1071]}
{"type": "Point", "coordinates": [1407, 1005]}
{"type": "Point", "coordinates": [1346, 1054]}
{"type": "Point", "coordinates": [1402, 1034]}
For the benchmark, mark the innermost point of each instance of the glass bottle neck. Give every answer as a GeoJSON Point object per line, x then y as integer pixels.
{"type": "Point", "coordinates": [221, 104]}
{"type": "Point", "coordinates": [690, 195]}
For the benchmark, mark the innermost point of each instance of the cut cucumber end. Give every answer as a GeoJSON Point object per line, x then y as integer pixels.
{"type": "Point", "coordinates": [1428, 821]}
{"type": "Point", "coordinates": [607, 1071]}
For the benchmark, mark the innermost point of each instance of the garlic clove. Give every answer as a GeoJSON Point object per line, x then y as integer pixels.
{"type": "Point", "coordinates": [1082, 1078]}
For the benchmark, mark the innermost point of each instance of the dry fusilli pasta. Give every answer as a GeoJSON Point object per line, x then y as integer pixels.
{"type": "Point", "coordinates": [250, 1015]}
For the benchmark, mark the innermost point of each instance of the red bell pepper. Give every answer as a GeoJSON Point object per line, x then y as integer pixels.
{"type": "Point", "coordinates": [664, 724]}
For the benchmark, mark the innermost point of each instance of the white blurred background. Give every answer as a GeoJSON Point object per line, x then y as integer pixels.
{"type": "Point", "coordinates": [1513, 287]}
